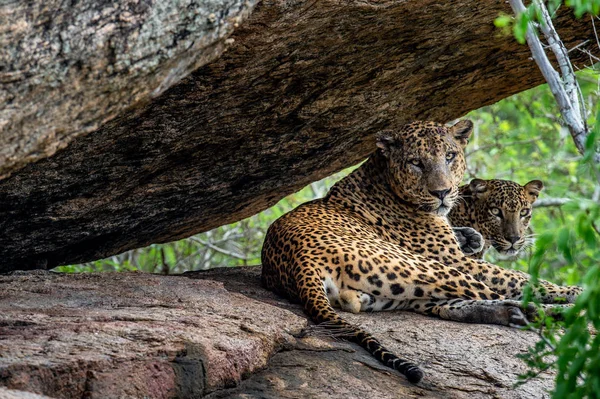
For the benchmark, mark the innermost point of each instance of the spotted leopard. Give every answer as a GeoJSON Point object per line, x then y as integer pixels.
{"type": "Point", "coordinates": [379, 240]}
{"type": "Point", "coordinates": [498, 209]}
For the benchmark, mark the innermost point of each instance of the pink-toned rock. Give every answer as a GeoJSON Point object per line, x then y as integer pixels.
{"type": "Point", "coordinates": [132, 335]}
{"type": "Point", "coordinates": [12, 394]}
{"type": "Point", "coordinates": [219, 334]}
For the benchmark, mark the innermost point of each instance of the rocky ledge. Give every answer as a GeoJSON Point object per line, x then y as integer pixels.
{"type": "Point", "coordinates": [219, 334]}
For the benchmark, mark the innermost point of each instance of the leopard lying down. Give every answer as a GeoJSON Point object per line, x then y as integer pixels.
{"type": "Point", "coordinates": [379, 240]}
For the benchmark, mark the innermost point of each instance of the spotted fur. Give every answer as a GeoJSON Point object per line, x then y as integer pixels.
{"type": "Point", "coordinates": [379, 240]}
{"type": "Point", "coordinates": [498, 209]}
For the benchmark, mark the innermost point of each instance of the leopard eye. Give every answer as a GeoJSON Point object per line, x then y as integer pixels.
{"type": "Point", "coordinates": [450, 156]}
{"type": "Point", "coordinates": [416, 162]}
{"type": "Point", "coordinates": [496, 212]}
{"type": "Point", "coordinates": [525, 212]}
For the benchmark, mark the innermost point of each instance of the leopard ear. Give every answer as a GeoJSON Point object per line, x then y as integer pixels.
{"type": "Point", "coordinates": [532, 189]}
{"type": "Point", "coordinates": [385, 140]}
{"type": "Point", "coordinates": [478, 188]}
{"type": "Point", "coordinates": [462, 131]}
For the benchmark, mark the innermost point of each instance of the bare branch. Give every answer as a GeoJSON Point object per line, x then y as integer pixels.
{"type": "Point", "coordinates": [547, 202]}
{"type": "Point", "coordinates": [218, 249]}
{"type": "Point", "coordinates": [540, 333]}
{"type": "Point", "coordinates": [499, 145]}
{"type": "Point", "coordinates": [191, 256]}
{"type": "Point", "coordinates": [564, 62]}
{"type": "Point", "coordinates": [165, 265]}
{"type": "Point", "coordinates": [585, 42]}
{"type": "Point", "coordinates": [565, 90]}
{"type": "Point", "coordinates": [595, 228]}
{"type": "Point", "coordinates": [595, 32]}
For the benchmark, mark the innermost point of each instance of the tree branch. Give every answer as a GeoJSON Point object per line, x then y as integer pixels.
{"type": "Point", "coordinates": [562, 88]}
{"type": "Point", "coordinates": [218, 249]}
{"type": "Point", "coordinates": [564, 62]}
{"type": "Point", "coordinates": [547, 202]}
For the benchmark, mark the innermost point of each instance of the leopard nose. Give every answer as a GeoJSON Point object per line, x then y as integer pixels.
{"type": "Point", "coordinates": [441, 194]}
{"type": "Point", "coordinates": [513, 239]}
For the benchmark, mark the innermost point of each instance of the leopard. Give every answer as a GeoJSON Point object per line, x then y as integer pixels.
{"type": "Point", "coordinates": [500, 210]}
{"type": "Point", "coordinates": [379, 240]}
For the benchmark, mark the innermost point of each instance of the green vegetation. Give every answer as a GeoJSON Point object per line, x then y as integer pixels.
{"type": "Point", "coordinates": [520, 139]}
{"type": "Point", "coordinates": [569, 347]}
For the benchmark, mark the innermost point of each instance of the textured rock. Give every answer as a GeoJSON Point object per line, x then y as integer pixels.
{"type": "Point", "coordinates": [64, 70]}
{"type": "Point", "coordinates": [220, 334]}
{"type": "Point", "coordinates": [133, 335]}
{"type": "Point", "coordinates": [12, 394]}
{"type": "Point", "coordinates": [299, 95]}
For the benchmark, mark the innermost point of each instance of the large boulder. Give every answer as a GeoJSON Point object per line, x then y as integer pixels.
{"type": "Point", "coordinates": [299, 95]}
{"type": "Point", "coordinates": [65, 70]}
{"type": "Point", "coordinates": [220, 334]}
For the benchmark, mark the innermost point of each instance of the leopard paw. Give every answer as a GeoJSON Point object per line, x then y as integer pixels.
{"type": "Point", "coordinates": [469, 240]}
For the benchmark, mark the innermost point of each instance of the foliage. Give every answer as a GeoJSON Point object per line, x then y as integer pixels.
{"type": "Point", "coordinates": [574, 351]}
{"type": "Point", "coordinates": [519, 23]}
{"type": "Point", "coordinates": [580, 7]}
{"type": "Point", "coordinates": [528, 142]}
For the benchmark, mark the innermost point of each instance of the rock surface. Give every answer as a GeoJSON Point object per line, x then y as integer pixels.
{"type": "Point", "coordinates": [13, 394]}
{"type": "Point", "coordinates": [298, 95]}
{"type": "Point", "coordinates": [65, 70]}
{"type": "Point", "coordinates": [219, 334]}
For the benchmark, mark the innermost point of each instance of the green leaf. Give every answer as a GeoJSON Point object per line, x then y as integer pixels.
{"type": "Point", "coordinates": [503, 21]}
{"type": "Point", "coordinates": [520, 27]}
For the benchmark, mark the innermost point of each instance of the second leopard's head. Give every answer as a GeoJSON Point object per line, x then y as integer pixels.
{"type": "Point", "coordinates": [425, 163]}
{"type": "Point", "coordinates": [502, 212]}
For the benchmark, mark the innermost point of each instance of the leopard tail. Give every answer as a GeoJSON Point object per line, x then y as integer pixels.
{"type": "Point", "coordinates": [317, 306]}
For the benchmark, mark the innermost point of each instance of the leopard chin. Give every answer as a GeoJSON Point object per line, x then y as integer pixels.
{"type": "Point", "coordinates": [508, 254]}
{"type": "Point", "coordinates": [443, 210]}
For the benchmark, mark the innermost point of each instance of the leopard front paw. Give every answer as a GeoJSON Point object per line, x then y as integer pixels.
{"type": "Point", "coordinates": [516, 318]}
{"type": "Point", "coordinates": [469, 240]}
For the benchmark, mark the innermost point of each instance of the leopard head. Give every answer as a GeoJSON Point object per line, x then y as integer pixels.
{"type": "Point", "coordinates": [425, 163]}
{"type": "Point", "coordinates": [502, 212]}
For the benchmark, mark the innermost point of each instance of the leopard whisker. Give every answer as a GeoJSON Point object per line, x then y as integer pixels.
{"type": "Point", "coordinates": [527, 245]}
{"type": "Point", "coordinates": [453, 200]}
{"type": "Point", "coordinates": [461, 198]}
